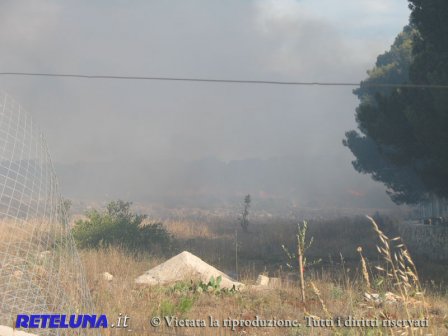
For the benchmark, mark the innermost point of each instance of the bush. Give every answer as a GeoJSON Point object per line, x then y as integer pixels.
{"type": "Point", "coordinates": [118, 226]}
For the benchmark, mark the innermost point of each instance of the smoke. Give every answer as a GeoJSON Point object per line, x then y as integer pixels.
{"type": "Point", "coordinates": [109, 136]}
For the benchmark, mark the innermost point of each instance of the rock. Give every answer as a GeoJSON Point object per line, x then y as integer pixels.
{"type": "Point", "coordinates": [185, 266]}
{"type": "Point", "coordinates": [107, 276]}
{"type": "Point", "coordinates": [375, 298]}
{"type": "Point", "coordinates": [391, 297]}
{"type": "Point", "coordinates": [275, 282]}
{"type": "Point", "coordinates": [262, 280]}
{"type": "Point", "coordinates": [387, 298]}
{"type": "Point", "coordinates": [265, 282]}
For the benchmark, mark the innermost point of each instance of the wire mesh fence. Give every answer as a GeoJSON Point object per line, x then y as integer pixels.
{"type": "Point", "coordinates": [40, 270]}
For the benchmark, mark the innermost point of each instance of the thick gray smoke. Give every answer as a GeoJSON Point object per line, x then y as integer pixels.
{"type": "Point", "coordinates": [162, 140]}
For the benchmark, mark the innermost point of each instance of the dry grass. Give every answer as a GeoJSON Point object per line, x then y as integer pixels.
{"type": "Point", "coordinates": [335, 290]}
{"type": "Point", "coordinates": [38, 260]}
{"type": "Point", "coordinates": [122, 295]}
{"type": "Point", "coordinates": [190, 229]}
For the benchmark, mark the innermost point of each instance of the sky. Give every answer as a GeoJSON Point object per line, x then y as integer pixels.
{"type": "Point", "coordinates": [103, 121]}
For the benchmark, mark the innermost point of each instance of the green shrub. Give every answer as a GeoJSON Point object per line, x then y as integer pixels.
{"type": "Point", "coordinates": [118, 226]}
{"type": "Point", "coordinates": [179, 307]}
{"type": "Point", "coordinates": [167, 308]}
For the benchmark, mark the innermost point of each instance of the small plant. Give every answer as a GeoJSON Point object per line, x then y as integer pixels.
{"type": "Point", "coordinates": [365, 272]}
{"type": "Point", "coordinates": [336, 292]}
{"type": "Point", "coordinates": [181, 306]}
{"type": "Point", "coordinates": [301, 247]}
{"type": "Point", "coordinates": [214, 287]}
{"type": "Point", "coordinates": [244, 219]}
{"type": "Point", "coordinates": [181, 287]}
{"type": "Point", "coordinates": [181, 300]}
{"type": "Point", "coordinates": [167, 308]}
{"type": "Point", "coordinates": [185, 304]}
{"type": "Point", "coordinates": [401, 267]}
{"type": "Point", "coordinates": [401, 271]}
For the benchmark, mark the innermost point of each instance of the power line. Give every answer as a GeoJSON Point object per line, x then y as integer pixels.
{"type": "Point", "coordinates": [230, 81]}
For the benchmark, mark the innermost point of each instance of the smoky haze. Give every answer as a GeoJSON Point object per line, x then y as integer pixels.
{"type": "Point", "coordinates": [199, 143]}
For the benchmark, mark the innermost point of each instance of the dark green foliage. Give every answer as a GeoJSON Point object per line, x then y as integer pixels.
{"type": "Point", "coordinates": [118, 226]}
{"type": "Point", "coordinates": [428, 109]}
{"type": "Point", "coordinates": [404, 186]}
{"type": "Point", "coordinates": [404, 130]}
{"type": "Point", "coordinates": [381, 123]}
{"type": "Point", "coordinates": [390, 67]}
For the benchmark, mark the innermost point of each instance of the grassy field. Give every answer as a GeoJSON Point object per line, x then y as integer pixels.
{"type": "Point", "coordinates": [339, 287]}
